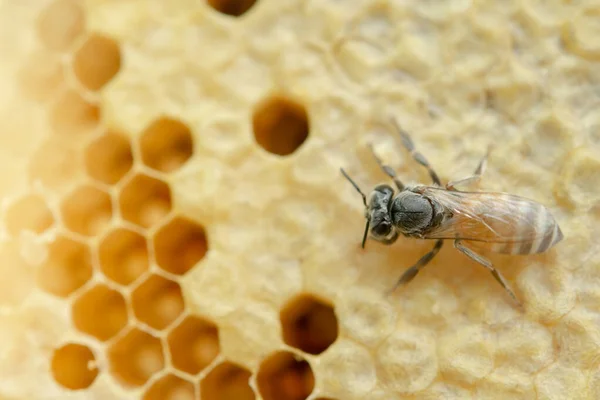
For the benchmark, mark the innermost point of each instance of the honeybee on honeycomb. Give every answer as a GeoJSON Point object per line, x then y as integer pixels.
{"type": "Point", "coordinates": [499, 222]}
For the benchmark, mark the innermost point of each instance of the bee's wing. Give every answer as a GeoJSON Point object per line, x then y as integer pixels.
{"type": "Point", "coordinates": [486, 217]}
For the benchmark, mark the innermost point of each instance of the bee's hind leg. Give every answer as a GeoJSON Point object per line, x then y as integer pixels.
{"type": "Point", "coordinates": [487, 264]}
{"type": "Point", "coordinates": [410, 273]}
{"type": "Point", "coordinates": [476, 177]}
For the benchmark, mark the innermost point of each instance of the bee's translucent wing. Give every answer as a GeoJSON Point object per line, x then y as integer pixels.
{"type": "Point", "coordinates": [490, 217]}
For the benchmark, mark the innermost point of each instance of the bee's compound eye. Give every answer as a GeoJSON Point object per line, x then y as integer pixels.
{"type": "Point", "coordinates": [382, 228]}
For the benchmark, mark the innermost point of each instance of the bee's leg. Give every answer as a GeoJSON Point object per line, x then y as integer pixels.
{"type": "Point", "coordinates": [387, 169]}
{"type": "Point", "coordinates": [486, 263]}
{"type": "Point", "coordinates": [476, 177]}
{"type": "Point", "coordinates": [410, 273]}
{"type": "Point", "coordinates": [418, 157]}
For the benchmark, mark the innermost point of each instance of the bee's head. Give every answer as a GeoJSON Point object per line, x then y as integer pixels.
{"type": "Point", "coordinates": [377, 213]}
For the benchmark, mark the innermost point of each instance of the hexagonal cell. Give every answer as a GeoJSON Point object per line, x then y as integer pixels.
{"type": "Point", "coordinates": [280, 125]}
{"type": "Point", "coordinates": [72, 114]}
{"type": "Point", "coordinates": [193, 344]}
{"type": "Point", "coordinates": [109, 158]}
{"type": "Point", "coordinates": [123, 256]}
{"type": "Point", "coordinates": [135, 358]}
{"type": "Point", "coordinates": [309, 324]}
{"type": "Point", "coordinates": [227, 381]}
{"type": "Point", "coordinates": [60, 24]}
{"type": "Point", "coordinates": [157, 302]}
{"type": "Point", "coordinates": [29, 213]}
{"type": "Point", "coordinates": [73, 366]}
{"type": "Point", "coordinates": [166, 145]}
{"type": "Point", "coordinates": [97, 61]}
{"type": "Point", "coordinates": [145, 201]}
{"type": "Point", "coordinates": [179, 245]}
{"type": "Point", "coordinates": [171, 387]}
{"type": "Point", "coordinates": [41, 76]}
{"type": "Point", "coordinates": [87, 210]}
{"type": "Point", "coordinates": [234, 8]}
{"type": "Point", "coordinates": [55, 163]}
{"type": "Point", "coordinates": [67, 268]}
{"type": "Point", "coordinates": [100, 312]}
{"type": "Point", "coordinates": [284, 376]}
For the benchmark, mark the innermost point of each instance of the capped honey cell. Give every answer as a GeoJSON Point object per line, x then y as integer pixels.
{"type": "Point", "coordinates": [166, 145]}
{"type": "Point", "coordinates": [72, 366]}
{"type": "Point", "coordinates": [179, 245]}
{"type": "Point", "coordinates": [193, 344]}
{"type": "Point", "coordinates": [135, 358]}
{"type": "Point", "coordinates": [157, 301]}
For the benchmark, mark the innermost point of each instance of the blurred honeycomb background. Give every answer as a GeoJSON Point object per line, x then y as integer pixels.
{"type": "Point", "coordinates": [175, 225]}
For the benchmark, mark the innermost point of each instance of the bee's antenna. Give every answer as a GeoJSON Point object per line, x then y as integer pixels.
{"type": "Point", "coordinates": [364, 197]}
{"type": "Point", "coordinates": [355, 186]}
{"type": "Point", "coordinates": [366, 233]}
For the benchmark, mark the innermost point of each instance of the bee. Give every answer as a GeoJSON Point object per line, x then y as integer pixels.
{"type": "Point", "coordinates": [497, 222]}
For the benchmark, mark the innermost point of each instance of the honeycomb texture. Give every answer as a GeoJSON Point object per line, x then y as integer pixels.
{"type": "Point", "coordinates": [175, 224]}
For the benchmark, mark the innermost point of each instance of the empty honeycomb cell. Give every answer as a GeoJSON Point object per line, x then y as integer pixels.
{"type": "Point", "coordinates": [41, 76]}
{"type": "Point", "coordinates": [145, 201]}
{"type": "Point", "coordinates": [280, 125]}
{"type": "Point", "coordinates": [67, 267]}
{"type": "Point", "coordinates": [227, 381]}
{"type": "Point", "coordinates": [100, 312]}
{"type": "Point", "coordinates": [166, 145]}
{"type": "Point", "coordinates": [179, 245]}
{"type": "Point", "coordinates": [234, 8]}
{"type": "Point", "coordinates": [72, 114]}
{"type": "Point", "coordinates": [157, 302]}
{"type": "Point", "coordinates": [73, 366]}
{"type": "Point", "coordinates": [285, 376]}
{"type": "Point", "coordinates": [29, 213]}
{"type": "Point", "coordinates": [97, 61]}
{"type": "Point", "coordinates": [309, 324]}
{"type": "Point", "coordinates": [87, 210]}
{"type": "Point", "coordinates": [193, 344]}
{"type": "Point", "coordinates": [171, 387]}
{"type": "Point", "coordinates": [60, 24]}
{"type": "Point", "coordinates": [109, 158]}
{"type": "Point", "coordinates": [124, 256]}
{"type": "Point", "coordinates": [135, 358]}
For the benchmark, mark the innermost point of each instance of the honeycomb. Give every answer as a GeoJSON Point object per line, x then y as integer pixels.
{"type": "Point", "coordinates": [175, 225]}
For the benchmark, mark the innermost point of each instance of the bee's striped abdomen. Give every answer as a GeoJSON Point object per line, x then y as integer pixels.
{"type": "Point", "coordinates": [535, 232]}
